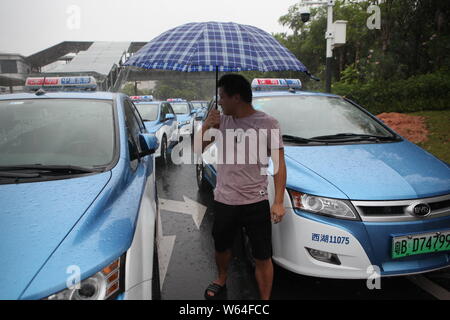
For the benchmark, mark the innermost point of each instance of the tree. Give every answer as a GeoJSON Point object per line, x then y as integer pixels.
{"type": "Point", "coordinates": [130, 89]}
{"type": "Point", "coordinates": [186, 89]}
{"type": "Point", "coordinates": [414, 39]}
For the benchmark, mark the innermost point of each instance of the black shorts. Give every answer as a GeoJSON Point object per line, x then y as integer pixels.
{"type": "Point", "coordinates": [255, 218]}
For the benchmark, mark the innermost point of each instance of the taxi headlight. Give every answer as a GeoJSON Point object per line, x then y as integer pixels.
{"type": "Point", "coordinates": [101, 286]}
{"type": "Point", "coordinates": [325, 206]}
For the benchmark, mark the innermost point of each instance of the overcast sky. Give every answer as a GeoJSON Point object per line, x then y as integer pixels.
{"type": "Point", "coordinates": [29, 26]}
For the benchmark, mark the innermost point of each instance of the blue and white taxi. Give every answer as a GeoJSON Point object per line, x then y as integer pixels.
{"type": "Point", "coordinates": [78, 196]}
{"type": "Point", "coordinates": [185, 113]}
{"type": "Point", "coordinates": [159, 119]}
{"type": "Point", "coordinates": [358, 195]}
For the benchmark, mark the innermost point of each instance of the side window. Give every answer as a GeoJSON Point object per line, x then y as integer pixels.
{"type": "Point", "coordinates": [138, 117]}
{"type": "Point", "coordinates": [133, 131]}
{"type": "Point", "coordinates": [170, 108]}
{"type": "Point", "coordinates": [162, 114]}
{"type": "Point", "coordinates": [166, 108]}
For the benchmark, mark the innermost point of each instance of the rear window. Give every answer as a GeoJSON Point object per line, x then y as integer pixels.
{"type": "Point", "coordinates": [149, 112]}
{"type": "Point", "coordinates": [180, 108]}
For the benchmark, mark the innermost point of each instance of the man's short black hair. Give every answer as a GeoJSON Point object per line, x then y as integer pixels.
{"type": "Point", "coordinates": [236, 84]}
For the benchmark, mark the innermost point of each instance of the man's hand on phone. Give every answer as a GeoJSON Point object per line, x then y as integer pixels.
{"type": "Point", "coordinates": [213, 119]}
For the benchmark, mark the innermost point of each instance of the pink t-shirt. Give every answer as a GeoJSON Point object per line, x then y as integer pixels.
{"type": "Point", "coordinates": [243, 157]}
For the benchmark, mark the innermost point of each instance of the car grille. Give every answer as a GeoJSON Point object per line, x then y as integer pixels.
{"type": "Point", "coordinates": [379, 211]}
{"type": "Point", "coordinates": [375, 211]}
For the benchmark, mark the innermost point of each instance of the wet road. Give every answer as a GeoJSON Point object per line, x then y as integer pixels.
{"type": "Point", "coordinates": [190, 266]}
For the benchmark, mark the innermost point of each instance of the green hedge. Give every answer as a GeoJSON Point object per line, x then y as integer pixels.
{"type": "Point", "coordinates": [423, 92]}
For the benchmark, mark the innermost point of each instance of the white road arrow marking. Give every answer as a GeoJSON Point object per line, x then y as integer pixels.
{"type": "Point", "coordinates": [165, 248]}
{"type": "Point", "coordinates": [188, 206]}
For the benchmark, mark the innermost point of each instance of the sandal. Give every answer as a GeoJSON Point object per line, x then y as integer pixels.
{"type": "Point", "coordinates": [215, 288]}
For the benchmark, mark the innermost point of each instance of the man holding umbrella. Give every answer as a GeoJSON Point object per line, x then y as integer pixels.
{"type": "Point", "coordinates": [240, 196]}
{"type": "Point", "coordinates": [231, 47]}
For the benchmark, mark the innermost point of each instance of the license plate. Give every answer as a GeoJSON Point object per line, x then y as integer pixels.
{"type": "Point", "coordinates": [420, 244]}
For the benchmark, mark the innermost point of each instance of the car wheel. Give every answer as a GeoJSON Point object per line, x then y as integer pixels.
{"type": "Point", "coordinates": [201, 181]}
{"type": "Point", "coordinates": [156, 285]}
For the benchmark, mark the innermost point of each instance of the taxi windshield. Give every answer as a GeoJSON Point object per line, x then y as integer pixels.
{"type": "Point", "coordinates": [149, 112]}
{"type": "Point", "coordinates": [62, 132]}
{"type": "Point", "coordinates": [317, 116]}
{"type": "Point", "coordinates": [180, 108]}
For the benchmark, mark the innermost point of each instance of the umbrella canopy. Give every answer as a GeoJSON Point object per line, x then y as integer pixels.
{"type": "Point", "coordinates": [215, 46]}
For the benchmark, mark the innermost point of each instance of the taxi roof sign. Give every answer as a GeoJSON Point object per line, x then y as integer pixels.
{"type": "Point", "coordinates": [176, 100]}
{"type": "Point", "coordinates": [272, 84]}
{"type": "Point", "coordinates": [86, 83]}
{"type": "Point", "coordinates": [141, 98]}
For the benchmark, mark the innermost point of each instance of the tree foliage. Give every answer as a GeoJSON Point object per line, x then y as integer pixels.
{"type": "Point", "coordinates": [414, 39]}
{"type": "Point", "coordinates": [130, 89]}
{"type": "Point", "coordinates": [195, 89]}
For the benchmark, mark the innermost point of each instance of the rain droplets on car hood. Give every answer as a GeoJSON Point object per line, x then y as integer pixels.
{"type": "Point", "coordinates": [34, 219]}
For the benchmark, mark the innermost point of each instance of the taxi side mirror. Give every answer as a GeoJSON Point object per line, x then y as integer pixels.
{"type": "Point", "coordinates": [149, 143]}
{"type": "Point", "coordinates": [169, 116]}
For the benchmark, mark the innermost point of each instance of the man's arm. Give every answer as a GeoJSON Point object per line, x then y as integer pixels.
{"type": "Point", "coordinates": [279, 179]}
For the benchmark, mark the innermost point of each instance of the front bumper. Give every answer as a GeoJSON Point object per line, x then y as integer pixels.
{"type": "Point", "coordinates": [185, 130]}
{"type": "Point", "coordinates": [369, 244]}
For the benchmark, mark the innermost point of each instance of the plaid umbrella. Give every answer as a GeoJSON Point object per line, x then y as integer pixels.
{"type": "Point", "coordinates": [215, 46]}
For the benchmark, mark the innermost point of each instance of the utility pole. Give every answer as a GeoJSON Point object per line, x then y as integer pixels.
{"type": "Point", "coordinates": [335, 34]}
{"type": "Point", "coordinates": [329, 36]}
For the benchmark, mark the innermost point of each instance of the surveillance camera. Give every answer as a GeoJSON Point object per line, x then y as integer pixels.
{"type": "Point", "coordinates": [305, 14]}
{"type": "Point", "coordinates": [305, 17]}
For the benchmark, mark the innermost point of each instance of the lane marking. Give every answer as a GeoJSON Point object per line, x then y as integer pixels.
{"type": "Point", "coordinates": [165, 245]}
{"type": "Point", "coordinates": [188, 206]}
{"type": "Point", "coordinates": [429, 286]}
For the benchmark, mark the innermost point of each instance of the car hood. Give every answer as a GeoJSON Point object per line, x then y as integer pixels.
{"type": "Point", "coordinates": [183, 117]}
{"type": "Point", "coordinates": [382, 171]}
{"type": "Point", "coordinates": [34, 219]}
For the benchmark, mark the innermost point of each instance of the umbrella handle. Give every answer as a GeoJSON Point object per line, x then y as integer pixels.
{"type": "Point", "coordinates": [217, 88]}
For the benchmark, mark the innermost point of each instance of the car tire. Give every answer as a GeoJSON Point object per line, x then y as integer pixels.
{"type": "Point", "coordinates": [156, 285]}
{"type": "Point", "coordinates": [164, 157]}
{"type": "Point", "coordinates": [202, 183]}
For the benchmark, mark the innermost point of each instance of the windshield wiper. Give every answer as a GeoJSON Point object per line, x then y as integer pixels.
{"type": "Point", "coordinates": [289, 138]}
{"type": "Point", "coordinates": [18, 175]}
{"type": "Point", "coordinates": [63, 169]}
{"type": "Point", "coordinates": [355, 137]}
